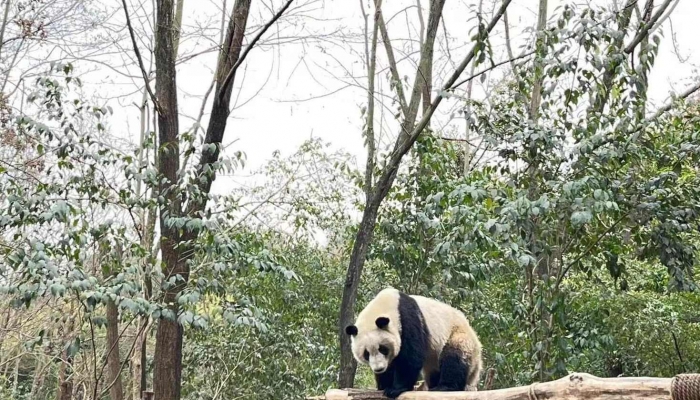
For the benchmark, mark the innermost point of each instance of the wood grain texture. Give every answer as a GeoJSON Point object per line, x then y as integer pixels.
{"type": "Point", "coordinates": [573, 386]}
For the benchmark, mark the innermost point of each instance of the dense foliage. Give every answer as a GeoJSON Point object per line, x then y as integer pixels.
{"type": "Point", "coordinates": [570, 238]}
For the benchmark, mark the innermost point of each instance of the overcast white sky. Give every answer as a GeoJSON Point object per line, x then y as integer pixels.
{"type": "Point", "coordinates": [274, 89]}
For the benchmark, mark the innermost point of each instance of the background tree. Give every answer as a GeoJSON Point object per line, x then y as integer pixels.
{"type": "Point", "coordinates": [377, 191]}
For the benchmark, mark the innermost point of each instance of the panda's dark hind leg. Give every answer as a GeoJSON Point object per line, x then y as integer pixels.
{"type": "Point", "coordinates": [433, 380]}
{"type": "Point", "coordinates": [454, 370]}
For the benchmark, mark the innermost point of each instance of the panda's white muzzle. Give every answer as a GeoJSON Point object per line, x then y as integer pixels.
{"type": "Point", "coordinates": [378, 363]}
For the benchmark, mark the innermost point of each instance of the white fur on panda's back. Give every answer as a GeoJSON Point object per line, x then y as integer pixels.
{"type": "Point", "coordinates": [441, 318]}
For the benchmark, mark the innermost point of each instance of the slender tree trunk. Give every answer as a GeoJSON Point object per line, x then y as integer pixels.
{"type": "Point", "coordinates": [534, 175]}
{"type": "Point", "coordinates": [116, 391]}
{"type": "Point", "coordinates": [139, 374]}
{"type": "Point", "coordinates": [15, 377]}
{"type": "Point", "coordinates": [168, 352]}
{"type": "Point", "coordinates": [178, 26]}
{"type": "Point", "coordinates": [5, 18]}
{"type": "Point", "coordinates": [365, 232]}
{"type": "Point", "coordinates": [176, 248]}
{"type": "Point", "coordinates": [406, 139]}
{"type": "Point", "coordinates": [536, 98]}
{"type": "Point", "coordinates": [468, 113]}
{"type": "Point", "coordinates": [38, 380]}
{"type": "Point", "coordinates": [348, 364]}
{"type": "Point", "coordinates": [65, 378]}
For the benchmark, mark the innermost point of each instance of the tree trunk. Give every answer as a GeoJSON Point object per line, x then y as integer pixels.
{"type": "Point", "coordinates": [406, 139]}
{"type": "Point", "coordinates": [540, 338]}
{"type": "Point", "coordinates": [139, 381]}
{"type": "Point", "coordinates": [167, 377]}
{"type": "Point", "coordinates": [38, 380]}
{"type": "Point", "coordinates": [375, 196]}
{"type": "Point", "coordinates": [139, 376]}
{"type": "Point", "coordinates": [65, 379]}
{"type": "Point", "coordinates": [176, 248]}
{"type": "Point", "coordinates": [114, 368]}
{"type": "Point", "coordinates": [363, 238]}
{"type": "Point", "coordinates": [168, 351]}
{"type": "Point", "coordinates": [15, 377]}
{"type": "Point", "coordinates": [536, 98]}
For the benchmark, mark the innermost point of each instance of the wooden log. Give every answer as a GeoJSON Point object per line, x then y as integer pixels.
{"type": "Point", "coordinates": [574, 386]}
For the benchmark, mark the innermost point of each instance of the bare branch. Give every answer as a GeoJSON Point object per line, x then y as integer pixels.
{"type": "Point", "coordinates": [392, 65]}
{"type": "Point", "coordinates": [406, 144]}
{"type": "Point", "coordinates": [369, 128]}
{"type": "Point", "coordinates": [4, 23]}
{"type": "Point", "coordinates": [536, 98]}
{"type": "Point", "coordinates": [644, 31]}
{"type": "Point", "coordinates": [178, 25]}
{"type": "Point", "coordinates": [668, 106]}
{"type": "Point", "coordinates": [139, 58]}
{"type": "Point", "coordinates": [229, 77]}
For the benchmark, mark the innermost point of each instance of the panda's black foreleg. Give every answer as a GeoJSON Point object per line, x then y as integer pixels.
{"type": "Point", "coordinates": [454, 371]}
{"type": "Point", "coordinates": [406, 373]}
{"type": "Point", "coordinates": [386, 379]}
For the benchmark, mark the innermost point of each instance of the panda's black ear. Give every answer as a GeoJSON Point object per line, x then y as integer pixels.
{"type": "Point", "coordinates": [351, 330]}
{"type": "Point", "coordinates": [382, 322]}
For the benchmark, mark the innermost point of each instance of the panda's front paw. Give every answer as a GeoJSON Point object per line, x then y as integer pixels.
{"type": "Point", "coordinates": [393, 393]}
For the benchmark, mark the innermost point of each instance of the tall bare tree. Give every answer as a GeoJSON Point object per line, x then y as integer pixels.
{"type": "Point", "coordinates": [410, 130]}
{"type": "Point", "coordinates": [177, 246]}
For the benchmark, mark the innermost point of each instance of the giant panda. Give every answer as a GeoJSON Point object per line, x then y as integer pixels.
{"type": "Point", "coordinates": [399, 336]}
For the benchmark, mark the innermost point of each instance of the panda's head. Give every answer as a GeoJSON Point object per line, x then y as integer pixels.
{"type": "Point", "coordinates": [375, 345]}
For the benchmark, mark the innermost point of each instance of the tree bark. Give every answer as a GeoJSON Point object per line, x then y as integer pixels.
{"type": "Point", "coordinates": [572, 387]}
{"type": "Point", "coordinates": [536, 98]}
{"type": "Point", "coordinates": [38, 380]}
{"type": "Point", "coordinates": [176, 247]}
{"type": "Point", "coordinates": [348, 365]}
{"type": "Point", "coordinates": [228, 58]}
{"type": "Point", "coordinates": [139, 376]}
{"type": "Point", "coordinates": [15, 377]}
{"type": "Point", "coordinates": [168, 352]}
{"type": "Point", "coordinates": [468, 111]}
{"type": "Point", "coordinates": [374, 195]}
{"type": "Point", "coordinates": [114, 369]}
{"type": "Point", "coordinates": [65, 379]}
{"type": "Point", "coordinates": [403, 144]}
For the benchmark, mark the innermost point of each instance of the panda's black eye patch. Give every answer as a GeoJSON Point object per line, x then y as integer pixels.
{"type": "Point", "coordinates": [384, 350]}
{"type": "Point", "coordinates": [366, 355]}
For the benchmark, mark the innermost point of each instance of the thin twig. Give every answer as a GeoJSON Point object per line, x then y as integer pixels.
{"type": "Point", "coordinates": [138, 57]}
{"type": "Point", "coordinates": [492, 67]}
